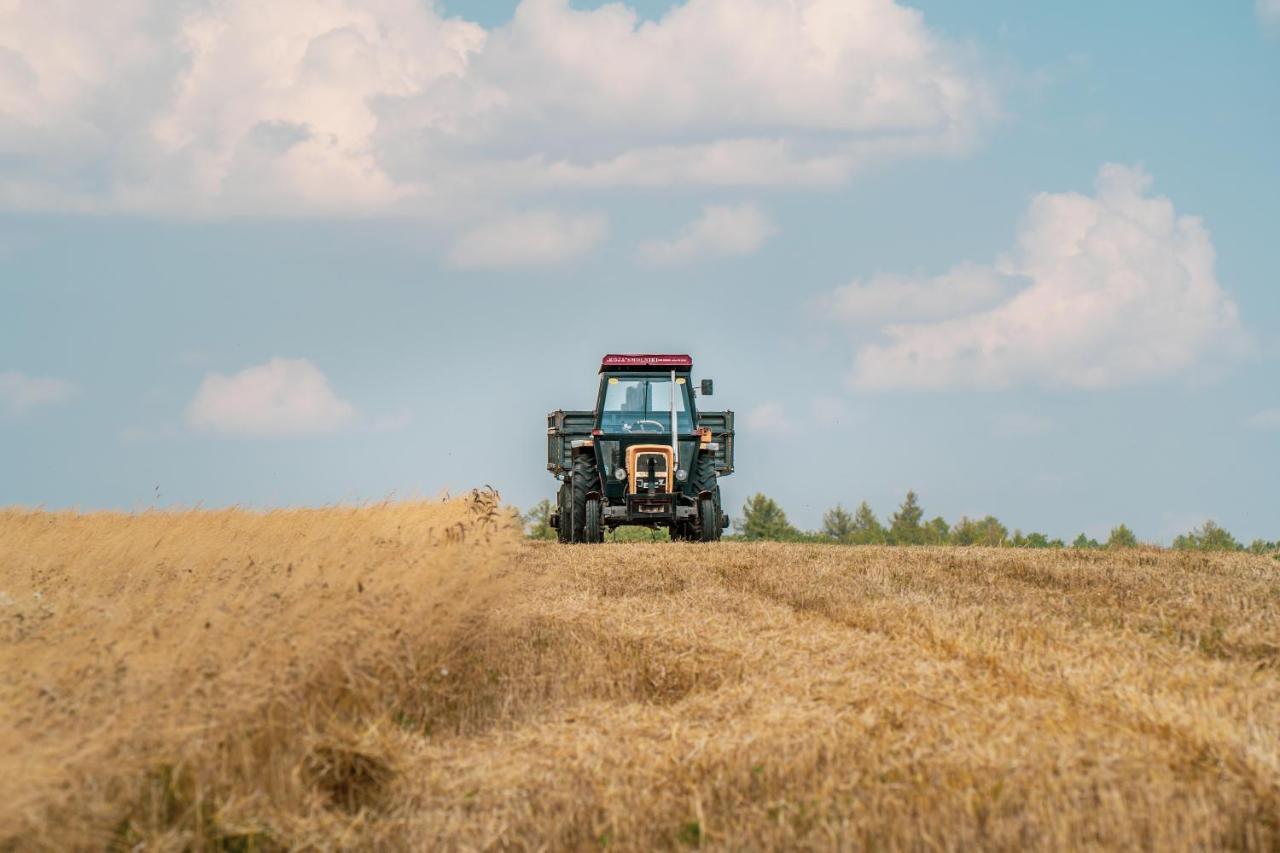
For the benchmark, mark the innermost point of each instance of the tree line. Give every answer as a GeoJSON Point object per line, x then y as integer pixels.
{"type": "Point", "coordinates": [763, 519]}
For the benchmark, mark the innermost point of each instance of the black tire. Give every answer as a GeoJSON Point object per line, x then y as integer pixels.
{"type": "Point", "coordinates": [708, 521]}
{"type": "Point", "coordinates": [564, 533]}
{"type": "Point", "coordinates": [593, 528]}
{"type": "Point", "coordinates": [585, 478]}
{"type": "Point", "coordinates": [707, 481]}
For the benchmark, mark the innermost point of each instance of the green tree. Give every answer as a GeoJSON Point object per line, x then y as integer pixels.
{"type": "Point", "coordinates": [904, 526]}
{"type": "Point", "coordinates": [867, 529]}
{"type": "Point", "coordinates": [1122, 537]}
{"type": "Point", "coordinates": [537, 521]}
{"type": "Point", "coordinates": [837, 524]}
{"type": "Point", "coordinates": [937, 532]}
{"type": "Point", "coordinates": [965, 531]}
{"type": "Point", "coordinates": [1262, 546]}
{"type": "Point", "coordinates": [1085, 542]}
{"type": "Point", "coordinates": [1039, 540]}
{"type": "Point", "coordinates": [1215, 538]}
{"type": "Point", "coordinates": [986, 531]}
{"type": "Point", "coordinates": [992, 532]}
{"type": "Point", "coordinates": [1207, 537]}
{"type": "Point", "coordinates": [762, 518]}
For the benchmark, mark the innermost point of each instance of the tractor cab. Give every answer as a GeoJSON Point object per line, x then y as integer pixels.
{"type": "Point", "coordinates": [644, 413]}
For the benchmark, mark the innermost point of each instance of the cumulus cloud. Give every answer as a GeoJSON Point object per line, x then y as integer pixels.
{"type": "Point", "coordinates": [1267, 419]}
{"type": "Point", "coordinates": [721, 230]}
{"type": "Point", "coordinates": [284, 397]}
{"type": "Point", "coordinates": [1268, 12]}
{"type": "Point", "coordinates": [20, 393]}
{"type": "Point", "coordinates": [888, 298]}
{"type": "Point", "coordinates": [340, 106]}
{"type": "Point", "coordinates": [1106, 290]}
{"type": "Point", "coordinates": [534, 238]}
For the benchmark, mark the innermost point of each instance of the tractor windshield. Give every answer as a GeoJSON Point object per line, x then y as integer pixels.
{"type": "Point", "coordinates": [643, 404]}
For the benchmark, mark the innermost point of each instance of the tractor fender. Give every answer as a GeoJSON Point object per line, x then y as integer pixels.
{"type": "Point", "coordinates": [595, 489]}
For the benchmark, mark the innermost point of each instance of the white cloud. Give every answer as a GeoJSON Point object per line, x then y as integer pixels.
{"type": "Point", "coordinates": [534, 238]}
{"type": "Point", "coordinates": [282, 397]}
{"type": "Point", "coordinates": [341, 106]}
{"type": "Point", "coordinates": [1267, 419]}
{"type": "Point", "coordinates": [1111, 290]}
{"type": "Point", "coordinates": [1268, 12]}
{"type": "Point", "coordinates": [20, 393]}
{"type": "Point", "coordinates": [738, 229]}
{"type": "Point", "coordinates": [888, 298]}
{"type": "Point", "coordinates": [769, 417]}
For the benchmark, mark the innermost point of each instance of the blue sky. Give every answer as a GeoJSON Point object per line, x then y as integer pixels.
{"type": "Point", "coordinates": [1016, 257]}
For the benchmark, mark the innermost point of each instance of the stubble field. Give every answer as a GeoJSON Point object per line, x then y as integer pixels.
{"type": "Point", "coordinates": [415, 676]}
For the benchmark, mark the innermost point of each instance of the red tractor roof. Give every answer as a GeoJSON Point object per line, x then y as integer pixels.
{"type": "Point", "coordinates": [644, 361]}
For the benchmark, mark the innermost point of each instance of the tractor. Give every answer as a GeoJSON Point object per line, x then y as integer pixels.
{"type": "Point", "coordinates": [645, 456]}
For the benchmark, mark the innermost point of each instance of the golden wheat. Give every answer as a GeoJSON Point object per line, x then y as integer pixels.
{"type": "Point", "coordinates": [222, 677]}
{"type": "Point", "coordinates": [361, 678]}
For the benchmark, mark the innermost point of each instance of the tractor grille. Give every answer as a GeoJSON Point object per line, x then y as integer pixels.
{"type": "Point", "coordinates": [651, 478]}
{"type": "Point", "coordinates": [650, 468]}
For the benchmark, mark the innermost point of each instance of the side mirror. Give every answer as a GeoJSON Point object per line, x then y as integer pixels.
{"type": "Point", "coordinates": [708, 388]}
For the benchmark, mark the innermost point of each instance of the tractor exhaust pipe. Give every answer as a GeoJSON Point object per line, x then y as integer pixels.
{"type": "Point", "coordinates": [675, 438]}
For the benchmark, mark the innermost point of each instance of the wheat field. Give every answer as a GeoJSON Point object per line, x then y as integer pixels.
{"type": "Point", "coordinates": [414, 676]}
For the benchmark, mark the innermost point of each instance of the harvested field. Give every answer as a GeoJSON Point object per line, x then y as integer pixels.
{"type": "Point", "coordinates": [412, 676]}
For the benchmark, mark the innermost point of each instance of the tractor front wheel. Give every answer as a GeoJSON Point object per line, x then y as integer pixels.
{"type": "Point", "coordinates": [593, 529]}
{"type": "Point", "coordinates": [708, 520]}
{"type": "Point", "coordinates": [706, 483]}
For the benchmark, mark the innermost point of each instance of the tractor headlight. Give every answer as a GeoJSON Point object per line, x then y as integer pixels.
{"type": "Point", "coordinates": [621, 473]}
{"type": "Point", "coordinates": [682, 474]}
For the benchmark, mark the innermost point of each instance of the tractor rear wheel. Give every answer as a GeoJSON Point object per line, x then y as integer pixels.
{"type": "Point", "coordinates": [564, 505]}
{"type": "Point", "coordinates": [708, 520]}
{"type": "Point", "coordinates": [584, 479]}
{"type": "Point", "coordinates": [593, 529]}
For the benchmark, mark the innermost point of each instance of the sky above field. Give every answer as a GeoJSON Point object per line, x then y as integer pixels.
{"type": "Point", "coordinates": [1020, 258]}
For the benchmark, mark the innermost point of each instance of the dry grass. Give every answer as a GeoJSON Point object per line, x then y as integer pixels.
{"type": "Point", "coordinates": [486, 695]}
{"type": "Point", "coordinates": [225, 678]}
